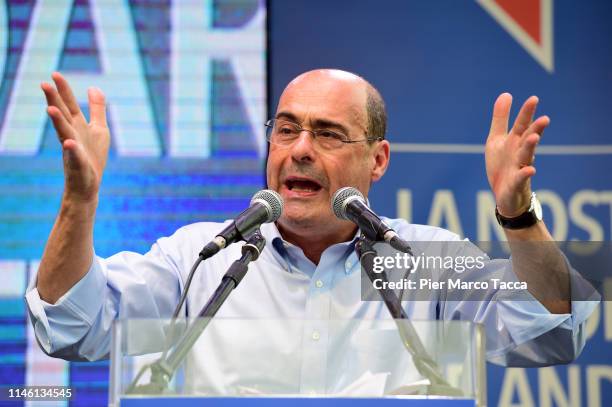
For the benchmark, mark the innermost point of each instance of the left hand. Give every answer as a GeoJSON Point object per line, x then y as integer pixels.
{"type": "Point", "coordinates": [509, 156]}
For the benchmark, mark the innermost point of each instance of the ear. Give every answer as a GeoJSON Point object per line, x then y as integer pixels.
{"type": "Point", "coordinates": [380, 159]}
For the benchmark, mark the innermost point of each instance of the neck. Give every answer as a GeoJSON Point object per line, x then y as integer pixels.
{"type": "Point", "coordinates": [312, 242]}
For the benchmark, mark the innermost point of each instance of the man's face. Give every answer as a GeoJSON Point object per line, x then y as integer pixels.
{"type": "Point", "coordinates": [306, 175]}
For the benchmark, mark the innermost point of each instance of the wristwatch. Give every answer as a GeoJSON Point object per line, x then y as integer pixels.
{"type": "Point", "coordinates": [529, 218]}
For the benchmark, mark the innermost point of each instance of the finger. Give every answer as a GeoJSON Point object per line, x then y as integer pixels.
{"type": "Point", "coordinates": [524, 174]}
{"type": "Point", "coordinates": [538, 126]}
{"type": "Point", "coordinates": [63, 129]}
{"type": "Point", "coordinates": [501, 114]}
{"type": "Point", "coordinates": [526, 152]}
{"type": "Point", "coordinates": [54, 99]}
{"type": "Point", "coordinates": [525, 116]}
{"type": "Point", "coordinates": [66, 94]}
{"type": "Point", "coordinates": [97, 107]}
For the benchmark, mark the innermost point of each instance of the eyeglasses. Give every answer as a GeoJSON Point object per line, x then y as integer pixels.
{"type": "Point", "coordinates": [284, 133]}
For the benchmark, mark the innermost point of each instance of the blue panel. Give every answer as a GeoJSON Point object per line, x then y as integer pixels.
{"type": "Point", "coordinates": [439, 66]}
{"type": "Point", "coordinates": [141, 198]}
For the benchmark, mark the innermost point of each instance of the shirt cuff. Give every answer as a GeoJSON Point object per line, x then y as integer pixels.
{"type": "Point", "coordinates": [67, 321]}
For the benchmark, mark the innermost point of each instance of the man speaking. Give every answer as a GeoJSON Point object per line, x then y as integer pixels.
{"type": "Point", "coordinates": [328, 133]}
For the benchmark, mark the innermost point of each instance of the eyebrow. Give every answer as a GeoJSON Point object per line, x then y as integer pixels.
{"type": "Point", "coordinates": [317, 123]}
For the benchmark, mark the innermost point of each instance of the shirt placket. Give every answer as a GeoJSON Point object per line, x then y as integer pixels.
{"type": "Point", "coordinates": [316, 331]}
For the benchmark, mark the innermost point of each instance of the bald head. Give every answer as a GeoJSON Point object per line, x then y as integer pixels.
{"type": "Point", "coordinates": [370, 101]}
{"type": "Point", "coordinates": [331, 74]}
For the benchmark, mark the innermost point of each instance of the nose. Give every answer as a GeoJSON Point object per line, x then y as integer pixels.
{"type": "Point", "coordinates": [303, 149]}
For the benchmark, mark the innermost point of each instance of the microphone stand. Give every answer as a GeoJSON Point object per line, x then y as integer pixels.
{"type": "Point", "coordinates": [163, 369]}
{"type": "Point", "coordinates": [424, 363]}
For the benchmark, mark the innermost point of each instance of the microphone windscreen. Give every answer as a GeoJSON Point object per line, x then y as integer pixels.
{"type": "Point", "coordinates": [272, 201]}
{"type": "Point", "coordinates": [343, 197]}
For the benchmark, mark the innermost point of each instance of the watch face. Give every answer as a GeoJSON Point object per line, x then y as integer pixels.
{"type": "Point", "coordinates": [537, 208]}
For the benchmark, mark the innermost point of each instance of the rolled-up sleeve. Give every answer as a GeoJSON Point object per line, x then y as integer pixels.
{"type": "Point", "coordinates": [520, 331]}
{"type": "Point", "coordinates": [126, 285]}
{"type": "Point", "coordinates": [538, 337]}
{"type": "Point", "coordinates": [60, 325]}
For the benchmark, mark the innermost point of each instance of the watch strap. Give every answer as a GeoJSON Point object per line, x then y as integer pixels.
{"type": "Point", "coordinates": [528, 218]}
{"type": "Point", "coordinates": [524, 220]}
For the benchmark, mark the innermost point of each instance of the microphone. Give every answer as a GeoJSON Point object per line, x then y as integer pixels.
{"type": "Point", "coordinates": [349, 204]}
{"type": "Point", "coordinates": [266, 206]}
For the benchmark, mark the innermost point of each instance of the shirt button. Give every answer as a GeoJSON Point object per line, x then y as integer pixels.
{"type": "Point", "coordinates": [319, 284]}
{"type": "Point", "coordinates": [316, 336]}
{"type": "Point", "coordinates": [348, 264]}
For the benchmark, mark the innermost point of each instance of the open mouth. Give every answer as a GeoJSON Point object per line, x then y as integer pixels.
{"type": "Point", "coordinates": [302, 185]}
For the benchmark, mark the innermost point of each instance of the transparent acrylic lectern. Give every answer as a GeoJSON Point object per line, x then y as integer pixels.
{"type": "Point", "coordinates": [223, 362]}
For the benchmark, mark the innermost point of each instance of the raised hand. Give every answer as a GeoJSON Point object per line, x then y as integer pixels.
{"type": "Point", "coordinates": [69, 250]}
{"type": "Point", "coordinates": [84, 145]}
{"type": "Point", "coordinates": [510, 155]}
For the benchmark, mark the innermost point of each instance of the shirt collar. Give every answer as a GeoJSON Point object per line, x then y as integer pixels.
{"type": "Point", "coordinates": [279, 248]}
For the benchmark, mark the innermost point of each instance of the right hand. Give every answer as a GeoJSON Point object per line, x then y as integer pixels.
{"type": "Point", "coordinates": [84, 145]}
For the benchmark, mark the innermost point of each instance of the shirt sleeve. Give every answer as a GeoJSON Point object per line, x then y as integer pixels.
{"type": "Point", "coordinates": [126, 285]}
{"type": "Point", "coordinates": [520, 331]}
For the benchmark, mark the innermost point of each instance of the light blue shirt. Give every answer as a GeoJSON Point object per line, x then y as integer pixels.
{"type": "Point", "coordinates": [283, 283]}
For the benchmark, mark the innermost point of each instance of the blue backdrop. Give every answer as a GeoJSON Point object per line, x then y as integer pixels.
{"type": "Point", "coordinates": [440, 65]}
